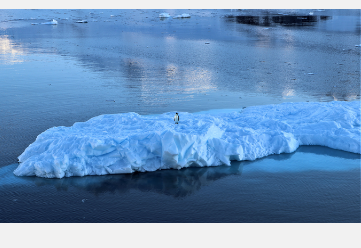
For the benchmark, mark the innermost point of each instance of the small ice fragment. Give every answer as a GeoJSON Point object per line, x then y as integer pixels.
{"type": "Point", "coordinates": [310, 73]}
{"type": "Point", "coordinates": [111, 15]}
{"type": "Point", "coordinates": [358, 45]}
{"type": "Point", "coordinates": [164, 15]}
{"type": "Point", "coordinates": [53, 22]}
{"type": "Point", "coordinates": [84, 200]}
{"type": "Point", "coordinates": [182, 16]}
{"type": "Point", "coordinates": [82, 21]}
{"type": "Point", "coordinates": [207, 43]}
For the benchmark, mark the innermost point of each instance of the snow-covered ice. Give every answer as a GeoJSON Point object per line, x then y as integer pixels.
{"type": "Point", "coordinates": [164, 15]}
{"type": "Point", "coordinates": [129, 142]}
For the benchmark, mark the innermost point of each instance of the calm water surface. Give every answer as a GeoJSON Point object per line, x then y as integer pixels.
{"type": "Point", "coordinates": [314, 184]}
{"type": "Point", "coordinates": [133, 61]}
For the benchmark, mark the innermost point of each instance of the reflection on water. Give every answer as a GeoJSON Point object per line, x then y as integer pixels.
{"type": "Point", "coordinates": [10, 52]}
{"type": "Point", "coordinates": [344, 20]}
{"type": "Point", "coordinates": [286, 20]}
{"type": "Point", "coordinates": [185, 182]}
{"type": "Point", "coordinates": [313, 184]}
{"type": "Point", "coordinates": [306, 158]}
{"type": "Point", "coordinates": [176, 183]}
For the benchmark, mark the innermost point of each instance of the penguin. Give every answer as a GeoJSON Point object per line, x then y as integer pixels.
{"type": "Point", "coordinates": [176, 118]}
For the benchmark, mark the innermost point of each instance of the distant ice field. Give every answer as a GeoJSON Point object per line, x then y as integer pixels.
{"type": "Point", "coordinates": [129, 142]}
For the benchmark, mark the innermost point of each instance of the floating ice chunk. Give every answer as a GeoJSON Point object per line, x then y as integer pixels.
{"type": "Point", "coordinates": [311, 73]}
{"type": "Point", "coordinates": [53, 22]}
{"type": "Point", "coordinates": [182, 16]}
{"type": "Point", "coordinates": [164, 15]}
{"type": "Point", "coordinates": [358, 45]}
{"type": "Point", "coordinates": [126, 143]}
{"type": "Point", "coordinates": [82, 21]}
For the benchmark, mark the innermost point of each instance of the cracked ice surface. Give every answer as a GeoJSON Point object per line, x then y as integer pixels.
{"type": "Point", "coordinates": [125, 143]}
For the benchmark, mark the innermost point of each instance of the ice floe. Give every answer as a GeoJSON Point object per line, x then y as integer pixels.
{"type": "Point", "coordinates": [164, 15]}
{"type": "Point", "coordinates": [53, 22]}
{"type": "Point", "coordinates": [129, 142]}
{"type": "Point", "coordinates": [182, 16]}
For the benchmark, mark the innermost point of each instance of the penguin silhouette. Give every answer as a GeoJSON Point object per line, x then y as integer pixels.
{"type": "Point", "coordinates": [176, 118]}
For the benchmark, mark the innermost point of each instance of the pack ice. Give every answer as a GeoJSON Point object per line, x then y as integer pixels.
{"type": "Point", "coordinates": [129, 142]}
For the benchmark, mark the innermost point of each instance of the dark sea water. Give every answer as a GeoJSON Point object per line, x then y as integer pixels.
{"type": "Point", "coordinates": [133, 61]}
{"type": "Point", "coordinates": [314, 184]}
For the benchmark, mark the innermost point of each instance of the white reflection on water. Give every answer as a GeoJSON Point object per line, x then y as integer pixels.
{"type": "Point", "coordinates": [288, 92]}
{"type": "Point", "coordinates": [198, 79]}
{"type": "Point", "coordinates": [10, 53]}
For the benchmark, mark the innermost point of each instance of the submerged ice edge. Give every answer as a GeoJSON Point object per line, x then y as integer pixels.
{"type": "Point", "coordinates": [126, 143]}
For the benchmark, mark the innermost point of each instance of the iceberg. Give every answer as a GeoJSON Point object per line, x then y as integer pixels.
{"type": "Point", "coordinates": [129, 142]}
